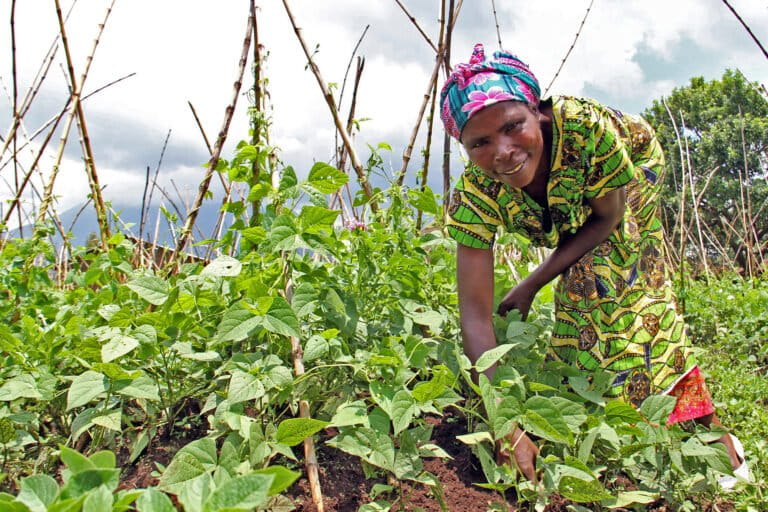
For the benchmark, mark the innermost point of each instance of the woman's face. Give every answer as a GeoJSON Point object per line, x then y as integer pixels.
{"type": "Point", "coordinates": [505, 141]}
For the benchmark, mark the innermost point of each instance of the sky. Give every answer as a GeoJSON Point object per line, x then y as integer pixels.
{"type": "Point", "coordinates": [628, 54]}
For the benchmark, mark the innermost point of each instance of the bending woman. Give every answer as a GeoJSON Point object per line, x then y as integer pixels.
{"type": "Point", "coordinates": [583, 179]}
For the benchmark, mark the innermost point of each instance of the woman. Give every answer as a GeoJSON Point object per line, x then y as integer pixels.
{"type": "Point", "coordinates": [582, 179]}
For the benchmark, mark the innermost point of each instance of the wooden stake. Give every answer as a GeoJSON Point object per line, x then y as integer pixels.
{"type": "Point", "coordinates": [202, 190]}
{"type": "Point", "coordinates": [356, 163]}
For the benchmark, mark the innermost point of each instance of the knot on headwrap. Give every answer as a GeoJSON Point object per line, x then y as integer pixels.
{"type": "Point", "coordinates": [481, 83]}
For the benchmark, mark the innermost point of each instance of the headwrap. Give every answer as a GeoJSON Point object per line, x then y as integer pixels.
{"type": "Point", "coordinates": [480, 83]}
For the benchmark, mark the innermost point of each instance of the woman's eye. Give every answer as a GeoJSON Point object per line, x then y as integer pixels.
{"type": "Point", "coordinates": [512, 126]}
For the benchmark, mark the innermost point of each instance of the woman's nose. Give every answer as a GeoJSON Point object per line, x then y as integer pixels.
{"type": "Point", "coordinates": [503, 152]}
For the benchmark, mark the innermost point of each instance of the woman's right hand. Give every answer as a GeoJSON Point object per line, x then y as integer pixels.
{"type": "Point", "coordinates": [525, 453]}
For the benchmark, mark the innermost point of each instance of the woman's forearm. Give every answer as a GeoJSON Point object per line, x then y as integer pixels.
{"type": "Point", "coordinates": [478, 337]}
{"type": "Point", "coordinates": [607, 212]}
{"type": "Point", "coordinates": [591, 234]}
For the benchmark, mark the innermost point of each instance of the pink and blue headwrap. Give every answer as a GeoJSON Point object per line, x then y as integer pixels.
{"type": "Point", "coordinates": [481, 83]}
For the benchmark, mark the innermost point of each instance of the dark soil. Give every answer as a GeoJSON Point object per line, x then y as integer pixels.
{"type": "Point", "coordinates": [345, 487]}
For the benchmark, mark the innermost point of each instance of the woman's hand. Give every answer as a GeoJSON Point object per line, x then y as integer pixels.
{"type": "Point", "coordinates": [519, 298]}
{"type": "Point", "coordinates": [525, 453]}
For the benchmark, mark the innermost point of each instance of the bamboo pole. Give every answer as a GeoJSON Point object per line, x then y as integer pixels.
{"type": "Point", "coordinates": [55, 119]}
{"type": "Point", "coordinates": [427, 151]}
{"type": "Point", "coordinates": [73, 112]}
{"type": "Point", "coordinates": [258, 115]}
{"type": "Point", "coordinates": [496, 19]}
{"type": "Point", "coordinates": [90, 166]}
{"type": "Point", "coordinates": [356, 163]}
{"type": "Point", "coordinates": [310, 458]}
{"type": "Point", "coordinates": [416, 24]}
{"type": "Point", "coordinates": [446, 137]}
{"type": "Point", "coordinates": [682, 195]}
{"type": "Point", "coordinates": [186, 231]}
{"type": "Point", "coordinates": [743, 210]}
{"type": "Point", "coordinates": [694, 208]}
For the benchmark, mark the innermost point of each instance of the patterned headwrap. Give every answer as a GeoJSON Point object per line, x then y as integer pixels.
{"type": "Point", "coordinates": [480, 83]}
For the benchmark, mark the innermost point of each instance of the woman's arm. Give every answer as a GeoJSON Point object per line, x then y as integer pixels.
{"type": "Point", "coordinates": [474, 275]}
{"type": "Point", "coordinates": [607, 212]}
{"type": "Point", "coordinates": [475, 283]}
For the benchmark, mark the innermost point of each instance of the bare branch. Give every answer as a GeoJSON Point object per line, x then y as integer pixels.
{"type": "Point", "coordinates": [496, 19]}
{"type": "Point", "coordinates": [356, 163]}
{"type": "Point", "coordinates": [186, 231]}
{"type": "Point", "coordinates": [416, 24]}
{"type": "Point", "coordinates": [746, 27]}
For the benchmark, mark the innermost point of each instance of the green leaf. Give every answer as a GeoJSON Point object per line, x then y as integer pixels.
{"type": "Point", "coordinates": [475, 438]}
{"type": "Point", "coordinates": [37, 492]}
{"type": "Point", "coordinates": [146, 334]}
{"type": "Point", "coordinates": [150, 288]}
{"type": "Point", "coordinates": [619, 413]}
{"type": "Point", "coordinates": [89, 479]}
{"type": "Point", "coordinates": [243, 387]}
{"type": "Point", "coordinates": [98, 500]}
{"type": "Point", "coordinates": [423, 200]}
{"type": "Point", "coordinates": [152, 500]}
{"type": "Point", "coordinates": [355, 413]}
{"type": "Point", "coordinates": [325, 178]}
{"type": "Point", "coordinates": [626, 498]}
{"type": "Point", "coordinates": [491, 357]}
{"type": "Point", "coordinates": [241, 493]}
{"type": "Point", "coordinates": [281, 319]}
{"type": "Point", "coordinates": [543, 419]}
{"type": "Point", "coordinates": [75, 461]}
{"type": "Point", "coordinates": [657, 408]}
{"type": "Point", "coordinates": [314, 218]}
{"type": "Point", "coordinates": [110, 420]}
{"type": "Point", "coordinates": [104, 459]}
{"type": "Point", "coordinates": [316, 347]}
{"type": "Point", "coordinates": [118, 347]}
{"type": "Point", "coordinates": [403, 410]}
{"type": "Point", "coordinates": [23, 386]}
{"type": "Point", "coordinates": [283, 478]}
{"type": "Point", "coordinates": [204, 450]}
{"type": "Point", "coordinates": [582, 491]}
{"type": "Point", "coordinates": [84, 388]}
{"type": "Point", "coordinates": [183, 467]}
{"type": "Point", "coordinates": [223, 266]}
{"type": "Point", "coordinates": [237, 323]}
{"type": "Point", "coordinates": [431, 319]}
{"type": "Point", "coordinates": [294, 430]}
{"type": "Point", "coordinates": [142, 387]}
{"type": "Point", "coordinates": [304, 299]}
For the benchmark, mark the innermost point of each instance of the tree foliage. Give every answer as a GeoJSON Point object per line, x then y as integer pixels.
{"type": "Point", "coordinates": [718, 131]}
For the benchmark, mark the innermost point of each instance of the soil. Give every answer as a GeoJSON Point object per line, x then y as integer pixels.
{"type": "Point", "coordinates": [345, 486]}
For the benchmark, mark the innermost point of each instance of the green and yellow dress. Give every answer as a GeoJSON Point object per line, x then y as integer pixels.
{"type": "Point", "coordinates": [615, 308]}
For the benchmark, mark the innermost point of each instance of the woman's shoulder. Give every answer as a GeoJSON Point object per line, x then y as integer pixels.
{"type": "Point", "coordinates": [575, 109]}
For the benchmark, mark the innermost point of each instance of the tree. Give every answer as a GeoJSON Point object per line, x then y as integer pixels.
{"type": "Point", "coordinates": [715, 134]}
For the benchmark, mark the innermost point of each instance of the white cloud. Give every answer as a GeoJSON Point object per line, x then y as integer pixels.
{"type": "Point", "coordinates": [188, 50]}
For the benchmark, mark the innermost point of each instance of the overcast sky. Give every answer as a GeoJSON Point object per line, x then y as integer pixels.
{"type": "Point", "coordinates": [628, 53]}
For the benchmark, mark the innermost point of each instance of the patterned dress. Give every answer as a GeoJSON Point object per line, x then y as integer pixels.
{"type": "Point", "coordinates": [615, 308]}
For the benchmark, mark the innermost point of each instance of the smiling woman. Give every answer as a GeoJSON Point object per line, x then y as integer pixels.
{"type": "Point", "coordinates": [582, 179]}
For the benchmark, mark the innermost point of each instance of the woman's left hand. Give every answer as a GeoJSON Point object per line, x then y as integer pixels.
{"type": "Point", "coordinates": [519, 298]}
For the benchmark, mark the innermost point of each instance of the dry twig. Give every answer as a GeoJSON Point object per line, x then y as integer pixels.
{"type": "Point", "coordinates": [356, 163]}
{"type": "Point", "coordinates": [416, 24]}
{"type": "Point", "coordinates": [186, 231]}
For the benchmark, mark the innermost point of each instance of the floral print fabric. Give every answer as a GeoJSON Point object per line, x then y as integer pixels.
{"type": "Point", "coordinates": [615, 308]}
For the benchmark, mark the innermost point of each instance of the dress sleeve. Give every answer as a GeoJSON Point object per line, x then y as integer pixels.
{"type": "Point", "coordinates": [611, 164]}
{"type": "Point", "coordinates": [474, 215]}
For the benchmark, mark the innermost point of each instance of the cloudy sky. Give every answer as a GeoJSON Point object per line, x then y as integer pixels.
{"type": "Point", "coordinates": [628, 53]}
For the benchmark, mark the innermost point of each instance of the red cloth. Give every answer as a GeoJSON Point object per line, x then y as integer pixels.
{"type": "Point", "coordinates": [693, 399]}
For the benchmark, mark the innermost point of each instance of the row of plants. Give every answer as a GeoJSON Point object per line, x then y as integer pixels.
{"type": "Point", "coordinates": [117, 358]}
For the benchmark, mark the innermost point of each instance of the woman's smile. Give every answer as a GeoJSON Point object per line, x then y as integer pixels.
{"type": "Point", "coordinates": [505, 141]}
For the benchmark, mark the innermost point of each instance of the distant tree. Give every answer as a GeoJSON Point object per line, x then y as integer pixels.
{"type": "Point", "coordinates": [723, 131]}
